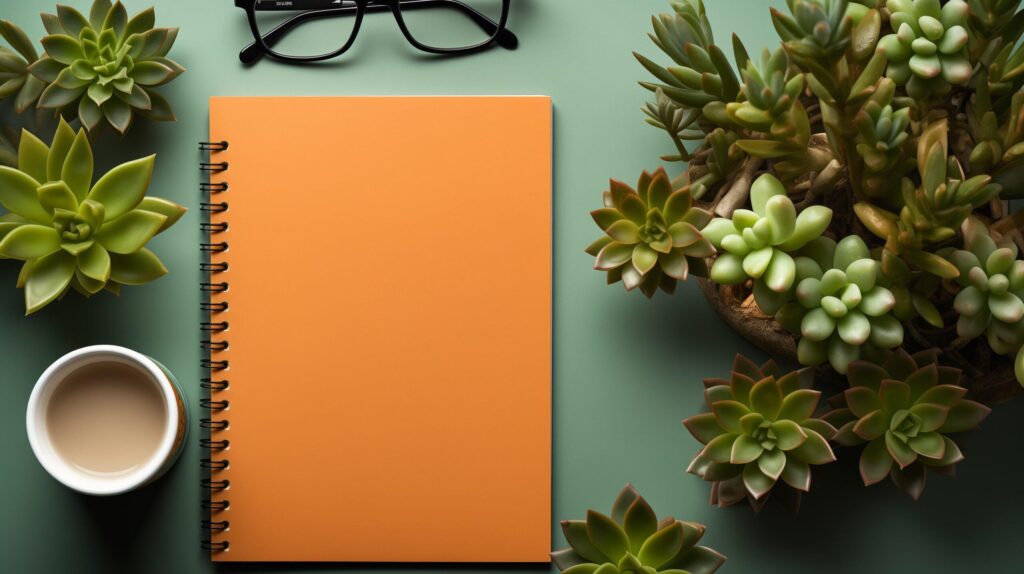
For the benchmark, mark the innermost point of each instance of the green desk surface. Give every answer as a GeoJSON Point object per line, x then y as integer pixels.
{"type": "Point", "coordinates": [627, 370]}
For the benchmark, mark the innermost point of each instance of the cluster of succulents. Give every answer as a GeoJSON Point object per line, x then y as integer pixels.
{"type": "Point", "coordinates": [859, 177]}
{"type": "Point", "coordinates": [102, 69]}
{"type": "Point", "coordinates": [761, 430]}
{"type": "Point", "coordinates": [73, 232]}
{"type": "Point", "coordinates": [632, 541]}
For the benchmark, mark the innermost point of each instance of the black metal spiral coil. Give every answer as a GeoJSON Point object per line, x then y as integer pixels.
{"type": "Point", "coordinates": [214, 286]}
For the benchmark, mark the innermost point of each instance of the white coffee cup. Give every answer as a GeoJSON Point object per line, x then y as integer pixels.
{"type": "Point", "coordinates": [168, 430]}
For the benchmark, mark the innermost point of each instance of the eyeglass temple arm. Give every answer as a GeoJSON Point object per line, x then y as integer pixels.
{"type": "Point", "coordinates": [251, 53]}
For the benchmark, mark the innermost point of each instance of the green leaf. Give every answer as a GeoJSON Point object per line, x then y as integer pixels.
{"type": "Point", "coordinates": [117, 19]}
{"type": "Point", "coordinates": [788, 434]}
{"type": "Point", "coordinates": [875, 462]}
{"type": "Point", "coordinates": [32, 154]}
{"type": "Point", "coordinates": [95, 263]}
{"type": "Point", "coordinates": [607, 536]}
{"type": "Point", "coordinates": [810, 223]}
{"type": "Point", "coordinates": [57, 195]}
{"type": "Point", "coordinates": [728, 413]}
{"type": "Point", "coordinates": [150, 73]}
{"type": "Point", "coordinates": [639, 522]}
{"type": "Point", "coordinates": [78, 166]}
{"type": "Point", "coordinates": [745, 449]}
{"type": "Point", "coordinates": [56, 97]}
{"type": "Point", "coordinates": [18, 195]}
{"type": "Point", "coordinates": [766, 398]}
{"type": "Point", "coordinates": [662, 546]}
{"type": "Point", "coordinates": [47, 279]}
{"type": "Point", "coordinates": [767, 149]}
{"type": "Point", "coordinates": [170, 210]}
{"type": "Point", "coordinates": [575, 532]}
{"type": "Point", "coordinates": [899, 451]}
{"type": "Point", "coordinates": [928, 444]}
{"type": "Point", "coordinates": [118, 113]}
{"type": "Point", "coordinates": [756, 482]}
{"type": "Point", "coordinates": [130, 232]}
{"type": "Point", "coordinates": [30, 241]}
{"type": "Point", "coordinates": [59, 148]}
{"type": "Point", "coordinates": [703, 427]}
{"type": "Point", "coordinates": [141, 22]}
{"type": "Point", "coordinates": [797, 474]}
{"type": "Point", "coordinates": [63, 48]}
{"type": "Point", "coordinates": [71, 20]}
{"type": "Point", "coordinates": [98, 13]}
{"type": "Point", "coordinates": [814, 450]}
{"type": "Point", "coordinates": [136, 268]}
{"type": "Point", "coordinates": [122, 189]}
{"type": "Point", "coordinates": [965, 415]}
{"type": "Point", "coordinates": [698, 560]}
{"type": "Point", "coordinates": [799, 405]}
{"type": "Point", "coordinates": [18, 40]}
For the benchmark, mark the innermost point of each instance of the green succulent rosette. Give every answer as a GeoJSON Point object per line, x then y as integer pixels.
{"type": "Point", "coordinates": [761, 429]}
{"type": "Point", "coordinates": [928, 51]}
{"type": "Point", "coordinates": [818, 32]}
{"type": "Point", "coordinates": [902, 410]}
{"type": "Point", "coordinates": [633, 541]}
{"type": "Point", "coordinates": [73, 233]}
{"type": "Point", "coordinates": [652, 234]}
{"type": "Point", "coordinates": [841, 311]}
{"type": "Point", "coordinates": [756, 244]}
{"type": "Point", "coordinates": [15, 79]}
{"type": "Point", "coordinates": [106, 66]}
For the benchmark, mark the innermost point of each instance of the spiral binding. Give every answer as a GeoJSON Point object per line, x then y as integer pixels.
{"type": "Point", "coordinates": [215, 424]}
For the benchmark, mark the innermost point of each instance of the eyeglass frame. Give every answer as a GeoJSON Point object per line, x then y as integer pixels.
{"type": "Point", "coordinates": [500, 35]}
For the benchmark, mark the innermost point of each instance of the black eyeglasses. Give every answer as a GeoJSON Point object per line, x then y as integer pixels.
{"type": "Point", "coordinates": [312, 30]}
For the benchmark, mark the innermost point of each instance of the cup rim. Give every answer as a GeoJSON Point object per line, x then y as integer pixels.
{"type": "Point", "coordinates": [38, 433]}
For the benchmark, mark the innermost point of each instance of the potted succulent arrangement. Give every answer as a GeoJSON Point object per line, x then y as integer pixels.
{"type": "Point", "coordinates": [71, 232]}
{"type": "Point", "coordinates": [845, 206]}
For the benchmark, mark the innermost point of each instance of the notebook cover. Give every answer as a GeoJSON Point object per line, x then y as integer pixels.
{"type": "Point", "coordinates": [389, 327]}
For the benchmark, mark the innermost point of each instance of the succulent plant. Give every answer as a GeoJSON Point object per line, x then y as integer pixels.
{"type": "Point", "coordinates": [702, 73]}
{"type": "Point", "coordinates": [991, 298]}
{"type": "Point", "coordinates": [902, 409]}
{"type": "Point", "coordinates": [817, 33]}
{"type": "Point", "coordinates": [756, 244]}
{"type": "Point", "coordinates": [652, 234]}
{"type": "Point", "coordinates": [73, 233]}
{"type": "Point", "coordinates": [928, 50]}
{"type": "Point", "coordinates": [933, 210]}
{"type": "Point", "coordinates": [761, 429]}
{"type": "Point", "coordinates": [883, 142]}
{"type": "Point", "coordinates": [107, 65]}
{"type": "Point", "coordinates": [15, 79]}
{"type": "Point", "coordinates": [840, 310]}
{"type": "Point", "coordinates": [633, 541]}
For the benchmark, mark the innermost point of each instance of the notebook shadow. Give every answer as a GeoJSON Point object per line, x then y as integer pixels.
{"type": "Point", "coordinates": [380, 567]}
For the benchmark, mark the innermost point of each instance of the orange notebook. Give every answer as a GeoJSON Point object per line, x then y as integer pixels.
{"type": "Point", "coordinates": [380, 325]}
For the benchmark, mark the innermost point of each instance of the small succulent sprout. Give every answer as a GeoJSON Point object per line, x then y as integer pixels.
{"type": "Point", "coordinates": [840, 309]}
{"type": "Point", "coordinates": [755, 244]}
{"type": "Point", "coordinates": [769, 91]}
{"type": "Point", "coordinates": [902, 410]}
{"type": "Point", "coordinates": [928, 50]}
{"type": "Point", "coordinates": [818, 30]}
{"type": "Point", "coordinates": [633, 541]}
{"type": "Point", "coordinates": [652, 234]}
{"type": "Point", "coordinates": [106, 66]}
{"type": "Point", "coordinates": [73, 233]}
{"type": "Point", "coordinates": [15, 79]}
{"type": "Point", "coordinates": [991, 298]}
{"type": "Point", "coordinates": [702, 73]}
{"type": "Point", "coordinates": [761, 429]}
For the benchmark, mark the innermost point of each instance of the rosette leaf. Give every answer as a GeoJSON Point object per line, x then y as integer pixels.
{"type": "Point", "coordinates": [652, 234]}
{"type": "Point", "coordinates": [72, 232]}
{"type": "Point", "coordinates": [903, 410]}
{"type": "Point", "coordinates": [633, 541]}
{"type": "Point", "coordinates": [817, 33]}
{"type": "Point", "coordinates": [756, 244]}
{"type": "Point", "coordinates": [106, 67]}
{"type": "Point", "coordinates": [761, 430]}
